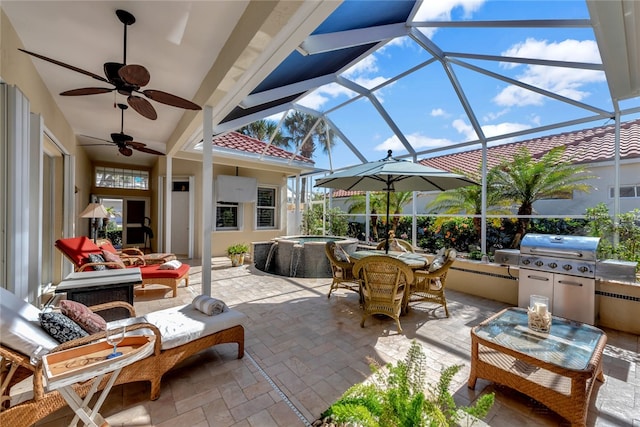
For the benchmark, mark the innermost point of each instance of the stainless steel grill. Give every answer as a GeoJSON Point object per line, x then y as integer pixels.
{"type": "Point", "coordinates": [573, 255]}
{"type": "Point", "coordinates": [562, 268]}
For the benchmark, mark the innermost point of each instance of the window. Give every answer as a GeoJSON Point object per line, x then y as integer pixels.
{"type": "Point", "coordinates": [266, 208]}
{"type": "Point", "coordinates": [626, 191]}
{"type": "Point", "coordinates": [121, 178]}
{"type": "Point", "coordinates": [227, 216]}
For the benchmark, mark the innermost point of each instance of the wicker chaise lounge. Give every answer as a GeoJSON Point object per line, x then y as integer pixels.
{"type": "Point", "coordinates": [78, 249]}
{"type": "Point", "coordinates": [24, 398]}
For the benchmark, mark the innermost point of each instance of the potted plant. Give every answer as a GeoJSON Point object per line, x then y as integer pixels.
{"type": "Point", "coordinates": [236, 253]}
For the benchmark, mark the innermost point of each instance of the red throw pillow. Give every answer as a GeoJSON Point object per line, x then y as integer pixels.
{"type": "Point", "coordinates": [83, 316]}
{"type": "Point", "coordinates": [111, 257]}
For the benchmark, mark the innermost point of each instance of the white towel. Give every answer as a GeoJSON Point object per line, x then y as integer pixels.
{"type": "Point", "coordinates": [209, 305]}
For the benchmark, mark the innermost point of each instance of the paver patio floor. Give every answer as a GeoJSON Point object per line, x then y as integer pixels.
{"type": "Point", "coordinates": [303, 350]}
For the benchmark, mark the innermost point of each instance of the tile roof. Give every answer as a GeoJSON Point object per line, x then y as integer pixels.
{"type": "Point", "coordinates": [240, 142]}
{"type": "Point", "coordinates": [583, 146]}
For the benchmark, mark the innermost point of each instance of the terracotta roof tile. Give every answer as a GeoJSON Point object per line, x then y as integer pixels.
{"type": "Point", "coordinates": [583, 146]}
{"type": "Point", "coordinates": [240, 142]}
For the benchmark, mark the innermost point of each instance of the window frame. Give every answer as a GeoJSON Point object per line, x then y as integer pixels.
{"type": "Point", "coordinates": [634, 187]}
{"type": "Point", "coordinates": [239, 209]}
{"type": "Point", "coordinates": [120, 176]}
{"type": "Point", "coordinates": [273, 208]}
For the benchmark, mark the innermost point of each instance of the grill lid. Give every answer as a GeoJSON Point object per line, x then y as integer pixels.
{"type": "Point", "coordinates": [569, 247]}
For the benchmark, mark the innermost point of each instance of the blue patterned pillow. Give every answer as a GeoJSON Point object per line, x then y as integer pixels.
{"type": "Point", "coordinates": [97, 258]}
{"type": "Point", "coordinates": [60, 327]}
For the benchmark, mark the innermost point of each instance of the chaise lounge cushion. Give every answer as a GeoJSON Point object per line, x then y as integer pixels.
{"type": "Point", "coordinates": [155, 272]}
{"type": "Point", "coordinates": [20, 325]}
{"type": "Point", "coordinates": [182, 324]}
{"type": "Point", "coordinates": [78, 249]}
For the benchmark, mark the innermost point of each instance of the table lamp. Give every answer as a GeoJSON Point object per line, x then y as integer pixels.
{"type": "Point", "coordinates": [94, 211]}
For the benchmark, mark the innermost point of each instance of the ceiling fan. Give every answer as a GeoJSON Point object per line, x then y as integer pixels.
{"type": "Point", "coordinates": [127, 79]}
{"type": "Point", "coordinates": [125, 143]}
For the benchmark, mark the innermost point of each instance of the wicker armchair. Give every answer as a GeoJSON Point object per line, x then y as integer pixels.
{"type": "Point", "coordinates": [430, 284]}
{"type": "Point", "coordinates": [385, 283]}
{"type": "Point", "coordinates": [402, 243]}
{"type": "Point", "coordinates": [341, 271]}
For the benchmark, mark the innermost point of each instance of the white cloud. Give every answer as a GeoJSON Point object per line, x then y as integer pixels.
{"type": "Point", "coordinates": [441, 10]}
{"type": "Point", "coordinates": [416, 140]}
{"type": "Point", "coordinates": [495, 115]}
{"type": "Point", "coordinates": [489, 130]}
{"type": "Point", "coordinates": [439, 112]}
{"type": "Point", "coordinates": [568, 82]}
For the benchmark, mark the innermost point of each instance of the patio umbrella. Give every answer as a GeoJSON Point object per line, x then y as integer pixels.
{"type": "Point", "coordinates": [391, 174]}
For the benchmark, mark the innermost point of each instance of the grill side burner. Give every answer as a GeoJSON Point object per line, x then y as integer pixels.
{"type": "Point", "coordinates": [562, 268]}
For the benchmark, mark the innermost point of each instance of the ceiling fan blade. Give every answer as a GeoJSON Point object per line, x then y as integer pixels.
{"type": "Point", "coordinates": [125, 151]}
{"type": "Point", "coordinates": [169, 99]}
{"type": "Point", "coordinates": [134, 74]}
{"type": "Point", "coordinates": [148, 151]}
{"type": "Point", "coordinates": [70, 67]}
{"type": "Point", "coordinates": [86, 91]}
{"type": "Point", "coordinates": [142, 106]}
{"type": "Point", "coordinates": [97, 139]}
{"type": "Point", "coordinates": [136, 145]}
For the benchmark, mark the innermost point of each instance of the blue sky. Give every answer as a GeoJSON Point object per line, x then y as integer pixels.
{"type": "Point", "coordinates": [424, 104]}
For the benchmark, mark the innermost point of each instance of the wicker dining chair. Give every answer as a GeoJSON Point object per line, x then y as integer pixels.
{"type": "Point", "coordinates": [429, 285]}
{"type": "Point", "coordinates": [341, 269]}
{"type": "Point", "coordinates": [385, 283]}
{"type": "Point", "coordinates": [401, 243]}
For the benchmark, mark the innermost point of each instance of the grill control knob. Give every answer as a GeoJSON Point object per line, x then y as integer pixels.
{"type": "Point", "coordinates": [539, 263]}
{"type": "Point", "coordinates": [567, 267]}
{"type": "Point", "coordinates": [583, 269]}
{"type": "Point", "coordinates": [553, 265]}
{"type": "Point", "coordinates": [526, 261]}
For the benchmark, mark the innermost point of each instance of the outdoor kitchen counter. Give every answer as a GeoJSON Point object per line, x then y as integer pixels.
{"type": "Point", "coordinates": [617, 303]}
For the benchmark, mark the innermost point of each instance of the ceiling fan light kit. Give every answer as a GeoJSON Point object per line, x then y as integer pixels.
{"type": "Point", "coordinates": [127, 80]}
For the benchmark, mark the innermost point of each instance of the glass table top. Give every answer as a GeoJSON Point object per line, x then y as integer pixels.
{"type": "Point", "coordinates": [413, 260]}
{"type": "Point", "coordinates": [568, 344]}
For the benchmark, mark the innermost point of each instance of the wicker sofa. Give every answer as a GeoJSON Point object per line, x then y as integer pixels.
{"type": "Point", "coordinates": [78, 249]}
{"type": "Point", "coordinates": [24, 398]}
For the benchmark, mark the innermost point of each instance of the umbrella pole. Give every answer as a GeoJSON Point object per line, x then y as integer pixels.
{"type": "Point", "coordinates": [386, 242]}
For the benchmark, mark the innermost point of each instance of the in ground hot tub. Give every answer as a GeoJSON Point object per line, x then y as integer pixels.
{"type": "Point", "coordinates": [298, 256]}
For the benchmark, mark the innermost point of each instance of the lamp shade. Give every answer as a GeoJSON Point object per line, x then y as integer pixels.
{"type": "Point", "coordinates": [94, 210]}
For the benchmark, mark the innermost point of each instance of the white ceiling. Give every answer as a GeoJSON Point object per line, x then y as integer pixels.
{"type": "Point", "coordinates": [177, 41]}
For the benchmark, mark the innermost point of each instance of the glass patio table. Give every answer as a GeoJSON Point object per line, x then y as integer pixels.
{"type": "Point", "coordinates": [557, 368]}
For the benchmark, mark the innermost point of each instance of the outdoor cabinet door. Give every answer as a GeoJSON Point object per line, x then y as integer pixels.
{"type": "Point", "coordinates": [534, 282]}
{"type": "Point", "coordinates": [574, 298]}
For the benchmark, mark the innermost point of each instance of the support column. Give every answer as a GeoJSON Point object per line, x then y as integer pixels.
{"type": "Point", "coordinates": [207, 196]}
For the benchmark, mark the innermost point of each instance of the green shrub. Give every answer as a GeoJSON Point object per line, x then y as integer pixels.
{"type": "Point", "coordinates": [397, 397]}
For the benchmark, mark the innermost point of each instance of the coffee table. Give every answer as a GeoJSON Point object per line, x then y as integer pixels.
{"type": "Point", "coordinates": [558, 368]}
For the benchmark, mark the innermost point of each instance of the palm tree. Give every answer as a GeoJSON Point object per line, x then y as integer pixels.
{"type": "Point", "coordinates": [378, 203]}
{"type": "Point", "coordinates": [468, 200]}
{"type": "Point", "coordinates": [525, 180]}
{"type": "Point", "coordinates": [397, 201]}
{"type": "Point", "coordinates": [300, 126]}
{"type": "Point", "coordinates": [264, 130]}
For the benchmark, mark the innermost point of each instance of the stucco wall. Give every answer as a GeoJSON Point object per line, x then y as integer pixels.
{"type": "Point", "coordinates": [617, 304]}
{"type": "Point", "coordinates": [220, 240]}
